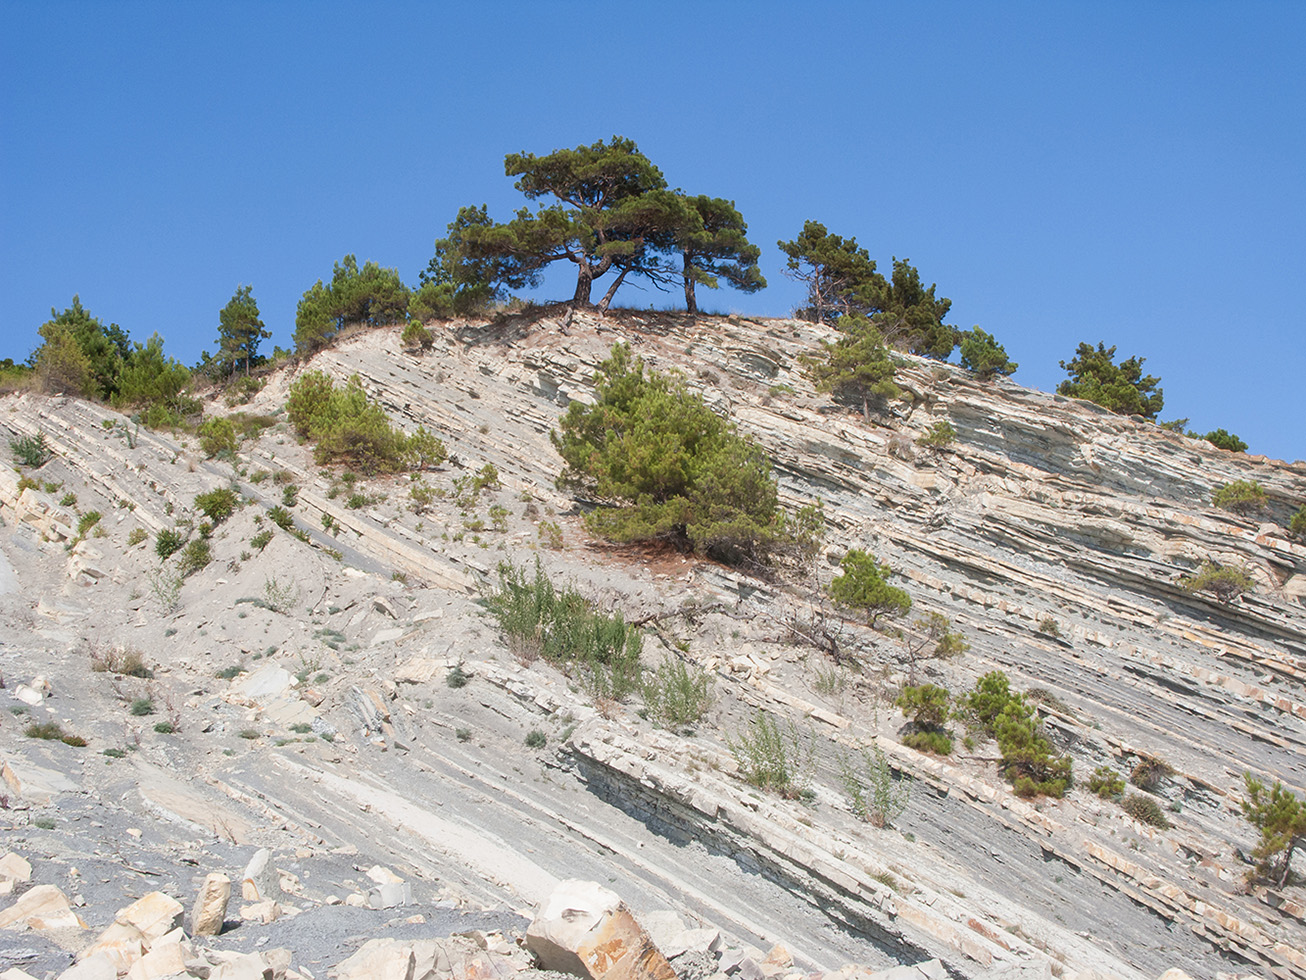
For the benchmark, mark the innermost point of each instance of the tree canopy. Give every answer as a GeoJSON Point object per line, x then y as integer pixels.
{"type": "Point", "coordinates": [840, 275]}
{"type": "Point", "coordinates": [1122, 387]}
{"type": "Point", "coordinates": [982, 354]}
{"type": "Point", "coordinates": [714, 246]}
{"type": "Point", "coordinates": [862, 586]}
{"type": "Point", "coordinates": [370, 296]}
{"type": "Point", "coordinates": [665, 467]}
{"type": "Point", "coordinates": [80, 355]}
{"type": "Point", "coordinates": [239, 332]}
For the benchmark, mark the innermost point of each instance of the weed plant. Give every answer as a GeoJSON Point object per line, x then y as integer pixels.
{"type": "Point", "coordinates": [873, 792]}
{"type": "Point", "coordinates": [773, 757]}
{"type": "Point", "coordinates": [676, 695]}
{"type": "Point", "coordinates": [564, 627]}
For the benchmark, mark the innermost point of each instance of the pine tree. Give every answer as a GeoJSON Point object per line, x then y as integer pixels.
{"type": "Point", "coordinates": [239, 331]}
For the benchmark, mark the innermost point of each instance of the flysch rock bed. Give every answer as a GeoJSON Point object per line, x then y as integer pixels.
{"type": "Point", "coordinates": [1046, 507]}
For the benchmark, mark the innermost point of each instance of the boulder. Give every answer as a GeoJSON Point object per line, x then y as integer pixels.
{"type": "Point", "coordinates": [153, 915]}
{"type": "Point", "coordinates": [15, 867]}
{"type": "Point", "coordinates": [259, 881]}
{"type": "Point", "coordinates": [164, 960]}
{"type": "Point", "coordinates": [210, 909]}
{"type": "Point", "coordinates": [585, 929]}
{"type": "Point", "coordinates": [99, 967]}
{"type": "Point", "coordinates": [41, 909]}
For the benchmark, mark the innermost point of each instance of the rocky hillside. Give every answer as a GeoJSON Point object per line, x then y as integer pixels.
{"type": "Point", "coordinates": [299, 699]}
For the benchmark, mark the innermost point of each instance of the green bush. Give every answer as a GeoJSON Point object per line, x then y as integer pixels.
{"type": "Point", "coordinates": [33, 451]}
{"type": "Point", "coordinates": [940, 435]}
{"type": "Point", "coordinates": [194, 556]}
{"type": "Point", "coordinates": [141, 706]}
{"type": "Point", "coordinates": [536, 739]}
{"type": "Point", "coordinates": [983, 355]}
{"type": "Point", "coordinates": [1281, 819]}
{"type": "Point", "coordinates": [281, 517]}
{"type": "Point", "coordinates": [1225, 440]}
{"type": "Point", "coordinates": [137, 535]}
{"type": "Point", "coordinates": [217, 505]}
{"type": "Point", "coordinates": [1297, 525]}
{"type": "Point", "coordinates": [457, 677]}
{"type": "Point", "coordinates": [1222, 581]}
{"type": "Point", "coordinates": [1106, 783]}
{"type": "Point", "coordinates": [1240, 496]}
{"type": "Point", "coordinates": [927, 704]}
{"type": "Point", "coordinates": [862, 587]}
{"type": "Point", "coordinates": [87, 521]}
{"type": "Point", "coordinates": [217, 437]}
{"type": "Point", "coordinates": [935, 742]}
{"type": "Point", "coordinates": [416, 336]}
{"type": "Point", "coordinates": [676, 695]}
{"type": "Point", "coordinates": [261, 540]}
{"type": "Point", "coordinates": [669, 468]}
{"type": "Point", "coordinates": [567, 630]}
{"type": "Point", "coordinates": [168, 542]}
{"type": "Point", "coordinates": [1027, 757]}
{"type": "Point", "coordinates": [858, 367]}
{"type": "Point", "coordinates": [772, 756]}
{"type": "Point", "coordinates": [1144, 809]}
{"type": "Point", "coordinates": [873, 792]}
{"type": "Point", "coordinates": [349, 429]}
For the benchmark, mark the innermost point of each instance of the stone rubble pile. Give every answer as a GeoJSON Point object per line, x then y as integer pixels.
{"type": "Point", "coordinates": [582, 929]}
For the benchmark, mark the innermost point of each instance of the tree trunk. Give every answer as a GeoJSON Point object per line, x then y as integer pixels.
{"type": "Point", "coordinates": [612, 291]}
{"type": "Point", "coordinates": [691, 304]}
{"type": "Point", "coordinates": [584, 281]}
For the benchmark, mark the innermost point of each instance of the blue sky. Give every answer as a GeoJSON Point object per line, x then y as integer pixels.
{"type": "Point", "coordinates": [1133, 173]}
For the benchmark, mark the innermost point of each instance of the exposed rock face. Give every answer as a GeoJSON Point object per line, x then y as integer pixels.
{"type": "Point", "coordinates": [307, 679]}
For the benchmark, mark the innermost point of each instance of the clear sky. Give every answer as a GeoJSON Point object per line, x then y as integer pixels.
{"type": "Point", "coordinates": [1126, 172]}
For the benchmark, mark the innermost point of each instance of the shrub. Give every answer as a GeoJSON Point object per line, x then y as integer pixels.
{"type": "Point", "coordinates": [536, 739]}
{"type": "Point", "coordinates": [217, 505]}
{"type": "Point", "coordinates": [417, 337]}
{"type": "Point", "coordinates": [983, 355]}
{"type": "Point", "coordinates": [1240, 496]}
{"type": "Point", "coordinates": [348, 428]}
{"type": "Point", "coordinates": [165, 586]}
{"type": "Point", "coordinates": [194, 556]}
{"type": "Point", "coordinates": [1149, 771]}
{"type": "Point", "coordinates": [936, 742]}
{"type": "Point", "coordinates": [87, 521]}
{"type": "Point", "coordinates": [1106, 783]}
{"type": "Point", "coordinates": [671, 468]}
{"type": "Point", "coordinates": [772, 757]}
{"type": "Point", "coordinates": [227, 673]}
{"type": "Point", "coordinates": [217, 437]}
{"type": "Point", "coordinates": [138, 534]}
{"type": "Point", "coordinates": [280, 597]}
{"type": "Point", "coordinates": [127, 661]}
{"type": "Point", "coordinates": [677, 696]}
{"type": "Point", "coordinates": [1144, 809]}
{"type": "Point", "coordinates": [927, 704]}
{"type": "Point", "coordinates": [168, 542]}
{"type": "Point", "coordinates": [566, 628]}
{"type": "Point", "coordinates": [873, 792]}
{"type": "Point", "coordinates": [141, 706]}
{"type": "Point", "coordinates": [457, 677]}
{"type": "Point", "coordinates": [1026, 753]}
{"type": "Point", "coordinates": [1049, 627]}
{"type": "Point", "coordinates": [424, 450]}
{"type": "Point", "coordinates": [165, 727]}
{"type": "Point", "coordinates": [1298, 524]}
{"type": "Point", "coordinates": [281, 517]}
{"type": "Point", "coordinates": [1222, 581]}
{"type": "Point", "coordinates": [33, 451]}
{"type": "Point", "coordinates": [261, 540]}
{"type": "Point", "coordinates": [1281, 818]}
{"type": "Point", "coordinates": [1225, 440]}
{"type": "Point", "coordinates": [289, 495]}
{"type": "Point", "coordinates": [940, 435]}
{"type": "Point", "coordinates": [52, 731]}
{"type": "Point", "coordinates": [862, 587]}
{"type": "Point", "coordinates": [858, 367]}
